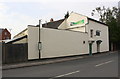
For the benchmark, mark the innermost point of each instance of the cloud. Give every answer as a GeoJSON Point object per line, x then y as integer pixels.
{"type": "Point", "coordinates": [3, 7]}
{"type": "Point", "coordinates": [16, 16]}
{"type": "Point", "coordinates": [51, 1]}
{"type": "Point", "coordinates": [15, 21]}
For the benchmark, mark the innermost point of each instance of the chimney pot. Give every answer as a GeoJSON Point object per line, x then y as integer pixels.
{"type": "Point", "coordinates": [51, 20]}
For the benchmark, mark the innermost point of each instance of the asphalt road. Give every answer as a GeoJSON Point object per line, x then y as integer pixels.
{"type": "Point", "coordinates": [104, 65]}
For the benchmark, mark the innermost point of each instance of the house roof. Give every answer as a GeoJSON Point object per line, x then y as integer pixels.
{"type": "Point", "coordinates": [2, 29]}
{"type": "Point", "coordinates": [92, 19]}
{"type": "Point", "coordinates": [54, 24]}
{"type": "Point", "coordinates": [15, 39]}
{"type": "Point", "coordinates": [20, 32]}
{"type": "Point", "coordinates": [97, 21]}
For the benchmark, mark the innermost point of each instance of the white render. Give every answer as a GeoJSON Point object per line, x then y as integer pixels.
{"type": "Point", "coordinates": [56, 43]}
{"type": "Point", "coordinates": [73, 18]}
{"type": "Point", "coordinates": [89, 24]}
{"type": "Point", "coordinates": [62, 42]}
{"type": "Point", "coordinates": [33, 52]}
{"type": "Point", "coordinates": [104, 35]}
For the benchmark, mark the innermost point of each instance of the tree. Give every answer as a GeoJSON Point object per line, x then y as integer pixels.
{"type": "Point", "coordinates": [110, 16]}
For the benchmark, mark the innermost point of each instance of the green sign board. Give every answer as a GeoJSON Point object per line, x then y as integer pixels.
{"type": "Point", "coordinates": [77, 23]}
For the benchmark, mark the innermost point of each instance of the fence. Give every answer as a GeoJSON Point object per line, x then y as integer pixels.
{"type": "Point", "coordinates": [0, 54]}
{"type": "Point", "coordinates": [14, 53]}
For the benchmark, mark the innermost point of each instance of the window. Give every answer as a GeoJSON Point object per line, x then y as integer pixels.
{"type": "Point", "coordinates": [7, 38]}
{"type": "Point", "coordinates": [91, 33]}
{"type": "Point", "coordinates": [97, 33]}
{"type": "Point", "coordinates": [5, 33]}
{"type": "Point", "coordinates": [83, 42]}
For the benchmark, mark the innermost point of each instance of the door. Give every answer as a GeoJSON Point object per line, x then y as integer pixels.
{"type": "Point", "coordinates": [98, 47]}
{"type": "Point", "coordinates": [90, 49]}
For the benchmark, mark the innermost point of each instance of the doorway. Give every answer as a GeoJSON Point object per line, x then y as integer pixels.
{"type": "Point", "coordinates": [90, 48]}
{"type": "Point", "coordinates": [98, 48]}
{"type": "Point", "coordinates": [98, 42]}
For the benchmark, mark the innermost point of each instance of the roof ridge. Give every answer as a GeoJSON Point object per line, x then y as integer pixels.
{"type": "Point", "coordinates": [55, 21]}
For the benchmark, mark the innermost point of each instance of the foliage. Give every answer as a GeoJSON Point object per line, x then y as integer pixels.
{"type": "Point", "coordinates": [111, 17]}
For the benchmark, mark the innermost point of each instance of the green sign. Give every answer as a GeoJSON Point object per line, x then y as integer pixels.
{"type": "Point", "coordinates": [77, 23]}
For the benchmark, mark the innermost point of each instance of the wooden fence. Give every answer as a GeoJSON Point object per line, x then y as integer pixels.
{"type": "Point", "coordinates": [14, 53]}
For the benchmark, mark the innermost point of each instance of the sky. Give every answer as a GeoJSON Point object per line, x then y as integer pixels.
{"type": "Point", "coordinates": [16, 15]}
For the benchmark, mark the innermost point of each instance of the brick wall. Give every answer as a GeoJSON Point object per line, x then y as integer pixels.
{"type": "Point", "coordinates": [5, 35]}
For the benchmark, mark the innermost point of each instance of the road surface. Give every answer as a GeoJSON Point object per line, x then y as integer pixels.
{"type": "Point", "coordinates": [102, 65]}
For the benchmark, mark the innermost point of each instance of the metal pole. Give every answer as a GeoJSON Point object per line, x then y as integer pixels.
{"type": "Point", "coordinates": [39, 38]}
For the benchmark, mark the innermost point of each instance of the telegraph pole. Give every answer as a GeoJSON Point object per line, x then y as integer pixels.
{"type": "Point", "coordinates": [39, 43]}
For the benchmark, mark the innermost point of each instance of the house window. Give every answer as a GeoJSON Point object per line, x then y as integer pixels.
{"type": "Point", "coordinates": [91, 33]}
{"type": "Point", "coordinates": [7, 38]}
{"type": "Point", "coordinates": [83, 42]}
{"type": "Point", "coordinates": [5, 33]}
{"type": "Point", "coordinates": [97, 33]}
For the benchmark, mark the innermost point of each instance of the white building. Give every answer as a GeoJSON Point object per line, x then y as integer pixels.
{"type": "Point", "coordinates": [74, 35]}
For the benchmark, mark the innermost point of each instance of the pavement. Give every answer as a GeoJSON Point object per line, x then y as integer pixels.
{"type": "Point", "coordinates": [40, 62]}
{"type": "Point", "coordinates": [98, 65]}
{"type": "Point", "coordinates": [47, 61]}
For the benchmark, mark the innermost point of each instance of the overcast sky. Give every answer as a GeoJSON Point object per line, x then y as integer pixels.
{"type": "Point", "coordinates": [17, 14]}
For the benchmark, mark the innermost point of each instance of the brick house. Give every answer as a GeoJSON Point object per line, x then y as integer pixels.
{"type": "Point", "coordinates": [4, 34]}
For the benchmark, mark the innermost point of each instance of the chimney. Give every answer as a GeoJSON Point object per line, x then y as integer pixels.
{"type": "Point", "coordinates": [51, 20]}
{"type": "Point", "coordinates": [66, 15]}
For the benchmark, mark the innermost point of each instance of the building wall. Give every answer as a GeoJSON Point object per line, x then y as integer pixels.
{"type": "Point", "coordinates": [0, 36]}
{"type": "Point", "coordinates": [81, 29]}
{"type": "Point", "coordinates": [89, 24]}
{"type": "Point", "coordinates": [33, 37]}
{"type": "Point", "coordinates": [56, 43]}
{"type": "Point", "coordinates": [5, 35]}
{"type": "Point", "coordinates": [74, 17]}
{"type": "Point", "coordinates": [104, 36]}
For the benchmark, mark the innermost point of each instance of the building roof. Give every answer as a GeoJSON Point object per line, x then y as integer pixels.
{"type": "Point", "coordinates": [92, 19]}
{"type": "Point", "coordinates": [2, 29]}
{"type": "Point", "coordinates": [97, 21]}
{"type": "Point", "coordinates": [20, 32]}
{"type": "Point", "coordinates": [15, 39]}
{"type": "Point", "coordinates": [54, 24]}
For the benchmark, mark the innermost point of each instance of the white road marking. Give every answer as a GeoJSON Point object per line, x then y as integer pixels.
{"type": "Point", "coordinates": [103, 63]}
{"type": "Point", "coordinates": [65, 74]}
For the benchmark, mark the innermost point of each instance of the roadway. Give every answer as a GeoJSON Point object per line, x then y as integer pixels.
{"type": "Point", "coordinates": [99, 65]}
